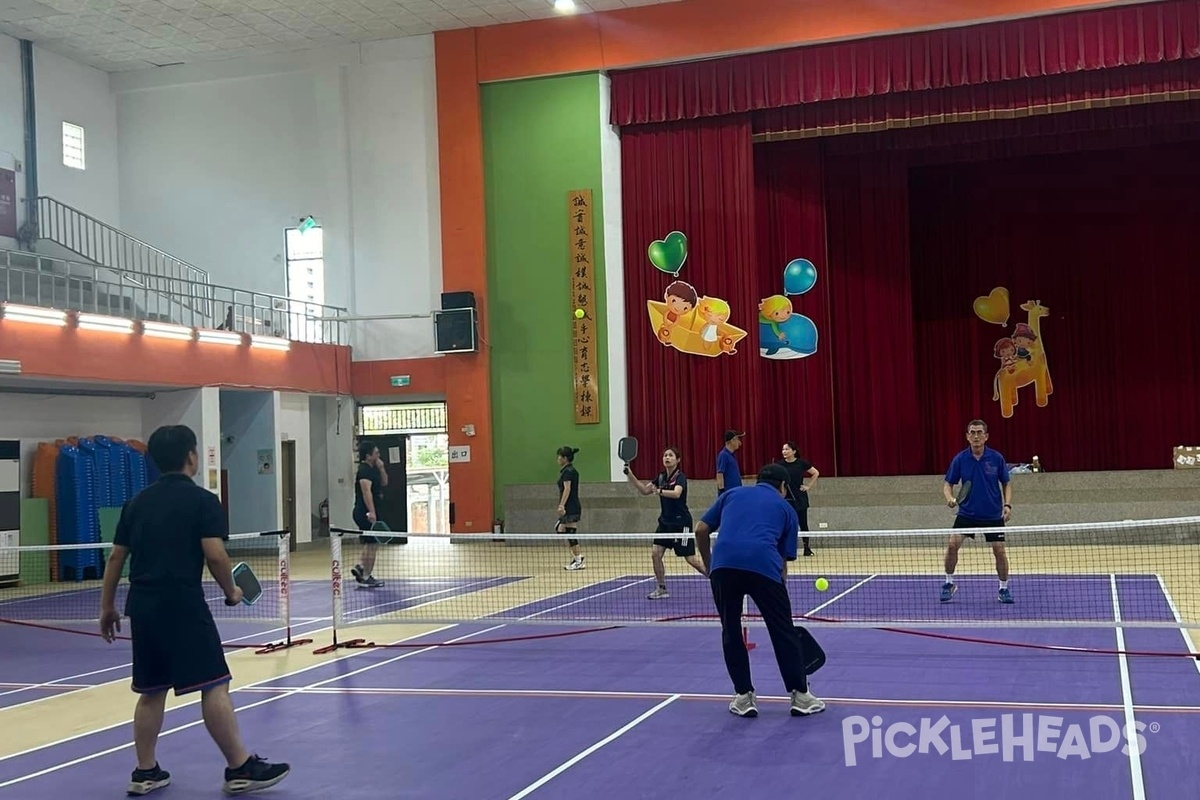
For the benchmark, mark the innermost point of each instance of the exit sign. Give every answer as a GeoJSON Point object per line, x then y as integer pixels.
{"type": "Point", "coordinates": [401, 380]}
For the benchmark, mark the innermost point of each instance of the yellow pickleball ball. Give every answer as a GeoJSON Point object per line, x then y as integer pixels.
{"type": "Point", "coordinates": [822, 585]}
{"type": "Point", "coordinates": [579, 313]}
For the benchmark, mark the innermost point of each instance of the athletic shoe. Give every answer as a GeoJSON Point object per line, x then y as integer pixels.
{"type": "Point", "coordinates": [948, 590]}
{"type": "Point", "coordinates": [803, 704]}
{"type": "Point", "coordinates": [255, 774]}
{"type": "Point", "coordinates": [809, 552]}
{"type": "Point", "coordinates": [658, 594]}
{"type": "Point", "coordinates": [145, 781]}
{"type": "Point", "coordinates": [370, 582]}
{"type": "Point", "coordinates": [743, 705]}
{"type": "Point", "coordinates": [1005, 596]}
{"type": "Point", "coordinates": [576, 563]}
{"type": "Point", "coordinates": [357, 572]}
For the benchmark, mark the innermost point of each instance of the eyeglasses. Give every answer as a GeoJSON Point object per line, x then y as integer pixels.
{"type": "Point", "coordinates": [976, 433]}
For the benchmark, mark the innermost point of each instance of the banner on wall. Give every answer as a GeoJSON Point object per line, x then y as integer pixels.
{"type": "Point", "coordinates": [8, 203]}
{"type": "Point", "coordinates": [685, 319]}
{"type": "Point", "coordinates": [782, 333]}
{"type": "Point", "coordinates": [1022, 353]}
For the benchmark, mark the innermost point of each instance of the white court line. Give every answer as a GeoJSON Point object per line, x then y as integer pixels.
{"type": "Point", "coordinates": [417, 597]}
{"type": "Point", "coordinates": [835, 598]}
{"type": "Point", "coordinates": [1135, 754]}
{"type": "Point", "coordinates": [178, 728]}
{"type": "Point", "coordinates": [51, 684]}
{"type": "Point", "coordinates": [566, 765]}
{"type": "Point", "coordinates": [1187, 640]}
{"type": "Point", "coordinates": [584, 599]}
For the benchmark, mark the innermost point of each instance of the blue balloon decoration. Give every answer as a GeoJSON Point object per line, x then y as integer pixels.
{"type": "Point", "coordinates": [799, 276]}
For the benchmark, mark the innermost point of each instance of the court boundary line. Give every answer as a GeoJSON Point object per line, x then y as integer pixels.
{"type": "Point", "coordinates": [1183, 631]}
{"type": "Point", "coordinates": [612, 737]}
{"type": "Point", "coordinates": [712, 696]}
{"type": "Point", "coordinates": [101, 753]}
{"type": "Point", "coordinates": [1135, 753]}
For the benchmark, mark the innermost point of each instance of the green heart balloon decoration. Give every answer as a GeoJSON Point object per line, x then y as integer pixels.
{"type": "Point", "coordinates": [667, 255]}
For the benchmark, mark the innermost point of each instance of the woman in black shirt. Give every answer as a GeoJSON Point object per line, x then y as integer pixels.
{"type": "Point", "coordinates": [798, 469]}
{"type": "Point", "coordinates": [569, 508]}
{"type": "Point", "coordinates": [674, 517]}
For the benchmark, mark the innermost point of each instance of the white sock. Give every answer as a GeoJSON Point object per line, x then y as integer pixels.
{"type": "Point", "coordinates": [1003, 584]}
{"type": "Point", "coordinates": [949, 578]}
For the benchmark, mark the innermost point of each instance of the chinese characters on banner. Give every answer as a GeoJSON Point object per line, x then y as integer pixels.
{"type": "Point", "coordinates": [583, 307]}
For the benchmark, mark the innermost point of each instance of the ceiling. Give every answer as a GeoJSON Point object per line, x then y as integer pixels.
{"type": "Point", "coordinates": [48, 387]}
{"type": "Point", "coordinates": [121, 35]}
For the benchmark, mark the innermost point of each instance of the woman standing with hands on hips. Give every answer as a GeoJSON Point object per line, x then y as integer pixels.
{"type": "Point", "coordinates": [569, 507]}
{"type": "Point", "coordinates": [674, 517]}
{"type": "Point", "coordinates": [797, 495]}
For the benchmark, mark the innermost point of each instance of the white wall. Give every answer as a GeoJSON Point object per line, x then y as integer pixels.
{"type": "Point", "coordinates": [248, 426]}
{"type": "Point", "coordinates": [68, 91]}
{"type": "Point", "coordinates": [614, 279]}
{"type": "Point", "coordinates": [45, 418]}
{"type": "Point", "coordinates": [292, 422]}
{"type": "Point", "coordinates": [200, 410]}
{"type": "Point", "coordinates": [217, 159]}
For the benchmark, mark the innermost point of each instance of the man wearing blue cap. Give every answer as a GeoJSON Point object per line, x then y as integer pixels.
{"type": "Point", "coordinates": [758, 536]}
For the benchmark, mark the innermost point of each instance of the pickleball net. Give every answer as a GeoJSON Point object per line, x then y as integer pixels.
{"type": "Point", "coordinates": [1129, 574]}
{"type": "Point", "coordinates": [58, 587]}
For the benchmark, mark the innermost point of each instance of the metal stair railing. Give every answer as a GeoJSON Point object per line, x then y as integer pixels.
{"type": "Point", "coordinates": [101, 243]}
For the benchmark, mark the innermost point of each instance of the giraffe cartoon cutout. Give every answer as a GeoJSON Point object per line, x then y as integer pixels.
{"type": "Point", "coordinates": [1023, 361]}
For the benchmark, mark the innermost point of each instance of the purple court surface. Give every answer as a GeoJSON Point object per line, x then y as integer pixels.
{"type": "Point", "coordinates": [640, 712]}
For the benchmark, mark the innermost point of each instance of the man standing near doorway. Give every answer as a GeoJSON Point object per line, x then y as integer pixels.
{"type": "Point", "coordinates": [368, 491]}
{"type": "Point", "coordinates": [987, 504]}
{"type": "Point", "coordinates": [729, 474]}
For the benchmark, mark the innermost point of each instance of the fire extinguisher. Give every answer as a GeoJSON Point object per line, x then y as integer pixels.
{"type": "Point", "coordinates": [323, 513]}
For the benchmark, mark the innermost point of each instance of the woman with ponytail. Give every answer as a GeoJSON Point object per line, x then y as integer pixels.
{"type": "Point", "coordinates": [569, 508]}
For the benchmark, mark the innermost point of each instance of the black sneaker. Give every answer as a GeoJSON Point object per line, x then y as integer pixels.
{"type": "Point", "coordinates": [357, 572]}
{"type": "Point", "coordinates": [255, 774]}
{"type": "Point", "coordinates": [145, 781]}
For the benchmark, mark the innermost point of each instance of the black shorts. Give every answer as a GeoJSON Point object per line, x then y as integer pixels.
{"type": "Point", "coordinates": [364, 524]}
{"type": "Point", "coordinates": [569, 521]}
{"type": "Point", "coordinates": [682, 547]}
{"type": "Point", "coordinates": [177, 651]}
{"type": "Point", "coordinates": [961, 522]}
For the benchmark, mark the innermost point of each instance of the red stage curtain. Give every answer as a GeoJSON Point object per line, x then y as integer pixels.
{"type": "Point", "coordinates": [696, 178]}
{"type": "Point", "coordinates": [1179, 80]}
{"type": "Point", "coordinates": [1027, 48]}
{"type": "Point", "coordinates": [1106, 241]}
{"type": "Point", "coordinates": [790, 216]}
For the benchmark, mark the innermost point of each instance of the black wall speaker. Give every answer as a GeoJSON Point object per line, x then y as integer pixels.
{"type": "Point", "coordinates": [455, 331]}
{"type": "Point", "coordinates": [452, 300]}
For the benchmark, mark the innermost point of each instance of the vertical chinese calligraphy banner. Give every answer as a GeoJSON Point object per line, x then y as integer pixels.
{"type": "Point", "coordinates": [583, 299]}
{"type": "Point", "coordinates": [8, 203]}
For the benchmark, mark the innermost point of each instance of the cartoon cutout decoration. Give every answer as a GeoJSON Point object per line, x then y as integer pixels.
{"type": "Point", "coordinates": [1022, 354]}
{"type": "Point", "coordinates": [684, 319]}
{"type": "Point", "coordinates": [782, 333]}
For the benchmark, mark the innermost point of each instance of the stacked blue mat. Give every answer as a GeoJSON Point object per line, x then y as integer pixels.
{"type": "Point", "coordinates": [97, 473]}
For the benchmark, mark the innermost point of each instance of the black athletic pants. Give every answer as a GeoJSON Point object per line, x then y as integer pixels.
{"type": "Point", "coordinates": [730, 588]}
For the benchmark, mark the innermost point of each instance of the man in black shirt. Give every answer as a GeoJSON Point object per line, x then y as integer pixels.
{"type": "Point", "coordinates": [368, 491]}
{"type": "Point", "coordinates": [169, 532]}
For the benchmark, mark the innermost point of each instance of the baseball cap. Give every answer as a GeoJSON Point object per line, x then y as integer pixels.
{"type": "Point", "coordinates": [731, 435]}
{"type": "Point", "coordinates": [772, 473]}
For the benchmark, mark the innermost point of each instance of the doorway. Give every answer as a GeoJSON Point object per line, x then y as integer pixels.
{"type": "Point", "coordinates": [425, 456]}
{"type": "Point", "coordinates": [392, 509]}
{"type": "Point", "coordinates": [287, 471]}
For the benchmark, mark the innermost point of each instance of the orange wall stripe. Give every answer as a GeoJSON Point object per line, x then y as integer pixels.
{"type": "Point", "coordinates": [71, 354]}
{"type": "Point", "coordinates": [464, 268]}
{"type": "Point", "coordinates": [702, 28]}
{"type": "Point", "coordinates": [374, 378]}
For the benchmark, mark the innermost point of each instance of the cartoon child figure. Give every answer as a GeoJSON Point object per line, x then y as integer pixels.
{"type": "Point", "coordinates": [713, 311]}
{"type": "Point", "coordinates": [774, 311]}
{"type": "Point", "coordinates": [1023, 338]}
{"type": "Point", "coordinates": [1006, 351]}
{"type": "Point", "coordinates": [680, 298]}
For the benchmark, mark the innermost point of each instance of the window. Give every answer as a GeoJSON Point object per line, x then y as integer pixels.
{"type": "Point", "coordinates": [305, 281]}
{"type": "Point", "coordinates": [73, 150]}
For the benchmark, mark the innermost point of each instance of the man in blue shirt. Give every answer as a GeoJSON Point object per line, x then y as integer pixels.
{"type": "Point", "coordinates": [988, 504]}
{"type": "Point", "coordinates": [758, 532]}
{"type": "Point", "coordinates": [729, 474]}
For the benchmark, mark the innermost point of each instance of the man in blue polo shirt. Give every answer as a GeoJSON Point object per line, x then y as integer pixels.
{"type": "Point", "coordinates": [729, 474]}
{"type": "Point", "coordinates": [987, 505]}
{"type": "Point", "coordinates": [758, 532]}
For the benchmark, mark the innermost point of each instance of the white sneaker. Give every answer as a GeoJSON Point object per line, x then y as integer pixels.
{"type": "Point", "coordinates": [658, 594]}
{"type": "Point", "coordinates": [803, 704]}
{"type": "Point", "coordinates": [576, 563]}
{"type": "Point", "coordinates": [743, 705]}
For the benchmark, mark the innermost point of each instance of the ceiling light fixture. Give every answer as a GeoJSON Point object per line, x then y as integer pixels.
{"type": "Point", "coordinates": [165, 330]}
{"type": "Point", "coordinates": [105, 324]}
{"type": "Point", "coordinates": [270, 343]}
{"type": "Point", "coordinates": [564, 6]}
{"type": "Point", "coordinates": [40, 316]}
{"type": "Point", "coordinates": [10, 366]}
{"type": "Point", "coordinates": [219, 337]}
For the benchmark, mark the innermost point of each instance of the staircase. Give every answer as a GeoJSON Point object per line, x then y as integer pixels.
{"type": "Point", "coordinates": [129, 260]}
